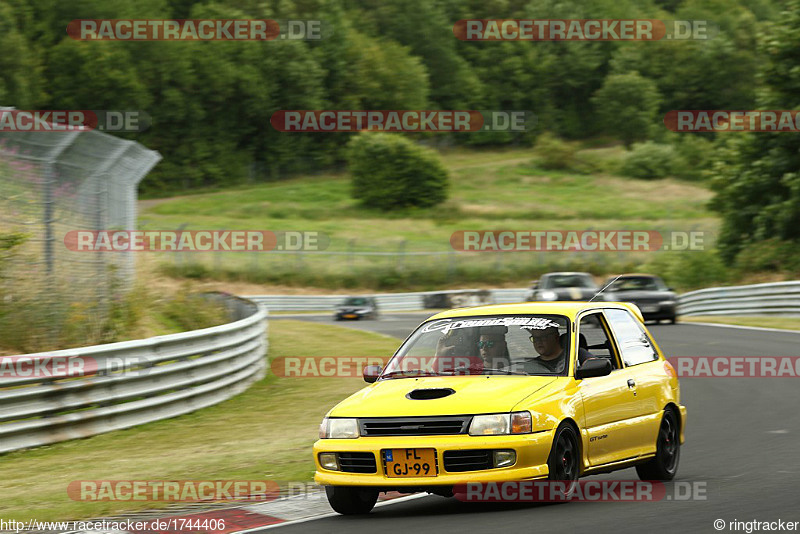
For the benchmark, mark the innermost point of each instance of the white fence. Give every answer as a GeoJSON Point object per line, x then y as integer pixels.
{"type": "Point", "coordinates": [779, 298]}
{"type": "Point", "coordinates": [75, 393]}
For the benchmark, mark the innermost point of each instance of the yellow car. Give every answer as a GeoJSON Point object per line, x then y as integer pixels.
{"type": "Point", "coordinates": [516, 392]}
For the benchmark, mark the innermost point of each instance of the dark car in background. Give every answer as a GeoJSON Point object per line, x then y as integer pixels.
{"type": "Point", "coordinates": [649, 292]}
{"type": "Point", "coordinates": [357, 308]}
{"type": "Point", "coordinates": [563, 286]}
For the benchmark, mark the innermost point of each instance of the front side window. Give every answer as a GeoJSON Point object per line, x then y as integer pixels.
{"type": "Point", "coordinates": [513, 345]}
{"type": "Point", "coordinates": [632, 339]}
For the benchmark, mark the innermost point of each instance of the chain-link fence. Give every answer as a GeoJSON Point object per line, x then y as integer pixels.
{"type": "Point", "coordinates": [54, 182]}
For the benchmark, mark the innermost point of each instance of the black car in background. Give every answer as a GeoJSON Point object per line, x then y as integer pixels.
{"type": "Point", "coordinates": [357, 308]}
{"type": "Point", "coordinates": [563, 286]}
{"type": "Point", "coordinates": [657, 301]}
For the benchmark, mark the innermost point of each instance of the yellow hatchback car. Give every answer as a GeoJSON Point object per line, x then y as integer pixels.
{"type": "Point", "coordinates": [506, 393]}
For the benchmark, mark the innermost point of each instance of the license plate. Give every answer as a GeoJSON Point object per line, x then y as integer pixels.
{"type": "Point", "coordinates": [649, 309]}
{"type": "Point", "coordinates": [404, 463]}
{"type": "Point", "coordinates": [350, 315]}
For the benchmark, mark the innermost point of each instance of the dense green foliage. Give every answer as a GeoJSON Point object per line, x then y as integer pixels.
{"type": "Point", "coordinates": [757, 176]}
{"type": "Point", "coordinates": [390, 172]}
{"type": "Point", "coordinates": [211, 101]}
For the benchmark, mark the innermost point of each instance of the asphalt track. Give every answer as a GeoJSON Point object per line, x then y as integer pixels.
{"type": "Point", "coordinates": [741, 443]}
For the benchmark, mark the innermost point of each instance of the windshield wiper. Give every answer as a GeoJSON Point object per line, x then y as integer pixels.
{"type": "Point", "coordinates": [484, 369]}
{"type": "Point", "coordinates": [407, 373]}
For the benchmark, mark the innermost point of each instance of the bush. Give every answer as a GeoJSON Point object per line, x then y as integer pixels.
{"type": "Point", "coordinates": [390, 172]}
{"type": "Point", "coordinates": [651, 161]}
{"type": "Point", "coordinates": [554, 153]}
{"type": "Point", "coordinates": [688, 270]}
{"type": "Point", "coordinates": [771, 255]}
{"type": "Point", "coordinates": [694, 155]}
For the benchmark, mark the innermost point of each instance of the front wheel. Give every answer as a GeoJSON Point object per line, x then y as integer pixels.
{"type": "Point", "coordinates": [664, 465]}
{"type": "Point", "coordinates": [351, 501]}
{"type": "Point", "coordinates": [565, 457]}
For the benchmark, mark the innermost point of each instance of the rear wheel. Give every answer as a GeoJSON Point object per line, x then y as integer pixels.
{"type": "Point", "coordinates": [673, 319]}
{"type": "Point", "coordinates": [564, 461]}
{"type": "Point", "coordinates": [664, 465]}
{"type": "Point", "coordinates": [350, 501]}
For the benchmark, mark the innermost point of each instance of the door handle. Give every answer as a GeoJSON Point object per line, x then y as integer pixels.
{"type": "Point", "coordinates": [631, 383]}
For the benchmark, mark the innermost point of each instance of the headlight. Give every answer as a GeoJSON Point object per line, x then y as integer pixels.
{"type": "Point", "coordinates": [338, 429]}
{"type": "Point", "coordinates": [500, 423]}
{"type": "Point", "coordinates": [666, 303]}
{"type": "Point", "coordinates": [548, 295]}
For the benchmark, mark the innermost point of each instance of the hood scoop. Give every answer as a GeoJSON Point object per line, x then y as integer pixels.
{"type": "Point", "coordinates": [430, 393]}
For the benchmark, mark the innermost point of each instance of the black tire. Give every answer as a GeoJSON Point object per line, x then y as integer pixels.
{"type": "Point", "coordinates": [564, 462]}
{"type": "Point", "coordinates": [351, 501]}
{"type": "Point", "coordinates": [664, 465]}
{"type": "Point", "coordinates": [673, 319]}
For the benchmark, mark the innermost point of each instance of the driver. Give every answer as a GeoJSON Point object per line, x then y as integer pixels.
{"type": "Point", "coordinates": [547, 343]}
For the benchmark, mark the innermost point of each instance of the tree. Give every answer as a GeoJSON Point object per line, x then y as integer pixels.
{"type": "Point", "coordinates": [757, 175]}
{"type": "Point", "coordinates": [627, 105]}
{"type": "Point", "coordinates": [390, 172]}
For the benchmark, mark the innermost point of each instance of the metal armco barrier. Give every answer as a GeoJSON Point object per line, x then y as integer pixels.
{"type": "Point", "coordinates": [120, 385]}
{"type": "Point", "coordinates": [396, 301]}
{"type": "Point", "coordinates": [779, 298]}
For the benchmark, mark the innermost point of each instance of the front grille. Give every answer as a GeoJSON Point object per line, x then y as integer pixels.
{"type": "Point", "coordinates": [469, 460]}
{"type": "Point", "coordinates": [357, 462]}
{"type": "Point", "coordinates": [415, 426]}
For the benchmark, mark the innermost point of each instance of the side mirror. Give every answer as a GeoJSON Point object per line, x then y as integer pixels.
{"type": "Point", "coordinates": [535, 284]}
{"type": "Point", "coordinates": [594, 367]}
{"type": "Point", "coordinates": [371, 373]}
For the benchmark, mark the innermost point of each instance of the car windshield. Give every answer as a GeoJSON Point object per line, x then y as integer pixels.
{"type": "Point", "coordinates": [568, 280]}
{"type": "Point", "coordinates": [355, 301]}
{"type": "Point", "coordinates": [508, 345]}
{"type": "Point", "coordinates": [638, 283]}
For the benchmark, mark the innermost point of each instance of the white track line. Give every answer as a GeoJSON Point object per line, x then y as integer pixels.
{"type": "Point", "coordinates": [762, 328]}
{"type": "Point", "coordinates": [331, 514]}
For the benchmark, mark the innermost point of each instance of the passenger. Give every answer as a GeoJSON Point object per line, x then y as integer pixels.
{"type": "Point", "coordinates": [493, 347]}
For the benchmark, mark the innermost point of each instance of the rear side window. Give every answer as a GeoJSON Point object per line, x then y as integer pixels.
{"type": "Point", "coordinates": [634, 345]}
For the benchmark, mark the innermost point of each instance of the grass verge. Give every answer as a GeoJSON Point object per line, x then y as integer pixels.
{"type": "Point", "coordinates": [265, 433]}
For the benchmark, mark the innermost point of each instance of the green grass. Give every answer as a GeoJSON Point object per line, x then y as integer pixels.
{"type": "Point", "coordinates": [490, 190]}
{"type": "Point", "coordinates": [265, 433]}
{"type": "Point", "coordinates": [784, 323]}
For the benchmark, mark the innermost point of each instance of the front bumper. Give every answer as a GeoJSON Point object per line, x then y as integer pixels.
{"type": "Point", "coordinates": [657, 311]}
{"type": "Point", "coordinates": [532, 452]}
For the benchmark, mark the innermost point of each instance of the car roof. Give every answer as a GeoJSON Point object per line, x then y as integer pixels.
{"type": "Point", "coordinates": [569, 309]}
{"type": "Point", "coordinates": [642, 275]}
{"type": "Point", "coordinates": [570, 273]}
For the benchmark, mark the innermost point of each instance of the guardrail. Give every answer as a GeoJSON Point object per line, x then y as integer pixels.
{"type": "Point", "coordinates": [396, 301]}
{"type": "Point", "coordinates": [779, 298]}
{"type": "Point", "coordinates": [120, 385]}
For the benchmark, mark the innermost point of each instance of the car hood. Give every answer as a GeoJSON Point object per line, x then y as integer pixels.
{"type": "Point", "coordinates": [473, 394]}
